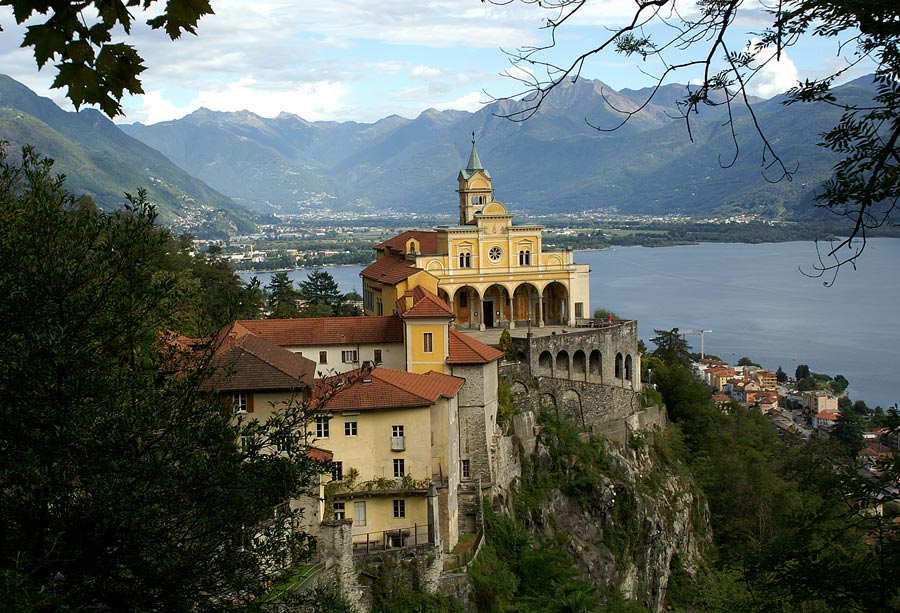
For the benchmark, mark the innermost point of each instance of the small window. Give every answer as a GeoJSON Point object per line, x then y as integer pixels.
{"type": "Point", "coordinates": [428, 342]}
{"type": "Point", "coordinates": [350, 428]}
{"type": "Point", "coordinates": [377, 356]}
{"type": "Point", "coordinates": [339, 512]}
{"type": "Point", "coordinates": [399, 508]}
{"type": "Point", "coordinates": [337, 471]}
{"type": "Point", "coordinates": [349, 356]}
{"type": "Point", "coordinates": [321, 427]}
{"type": "Point", "coordinates": [397, 431]}
{"type": "Point", "coordinates": [399, 468]}
{"type": "Point", "coordinates": [465, 469]}
{"type": "Point", "coordinates": [283, 442]}
{"type": "Point", "coordinates": [239, 402]}
{"type": "Point", "coordinates": [323, 357]}
{"type": "Point", "coordinates": [379, 309]}
{"type": "Point", "coordinates": [465, 260]}
{"type": "Point", "coordinates": [359, 513]}
{"type": "Point", "coordinates": [579, 309]}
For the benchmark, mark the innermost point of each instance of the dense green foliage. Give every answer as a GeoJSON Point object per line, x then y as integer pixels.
{"type": "Point", "coordinates": [785, 513]}
{"type": "Point", "coordinates": [125, 487]}
{"type": "Point", "coordinates": [513, 573]}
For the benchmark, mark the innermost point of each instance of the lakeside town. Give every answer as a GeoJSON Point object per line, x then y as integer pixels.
{"type": "Point", "coordinates": [796, 410]}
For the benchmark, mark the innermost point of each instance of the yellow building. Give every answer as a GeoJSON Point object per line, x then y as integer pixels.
{"type": "Point", "coordinates": [404, 438]}
{"type": "Point", "coordinates": [395, 441]}
{"type": "Point", "coordinates": [490, 271]}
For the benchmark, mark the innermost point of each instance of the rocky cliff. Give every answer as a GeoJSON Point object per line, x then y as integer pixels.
{"type": "Point", "coordinates": [628, 515]}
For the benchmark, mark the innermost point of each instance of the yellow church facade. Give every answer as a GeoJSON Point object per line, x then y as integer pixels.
{"type": "Point", "coordinates": [489, 270]}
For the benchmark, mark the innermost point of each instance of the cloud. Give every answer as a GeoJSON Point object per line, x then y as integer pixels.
{"type": "Point", "coordinates": [775, 76]}
{"type": "Point", "coordinates": [470, 102]}
{"type": "Point", "coordinates": [426, 72]}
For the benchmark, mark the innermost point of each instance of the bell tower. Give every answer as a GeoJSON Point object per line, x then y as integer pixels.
{"type": "Point", "coordinates": [475, 190]}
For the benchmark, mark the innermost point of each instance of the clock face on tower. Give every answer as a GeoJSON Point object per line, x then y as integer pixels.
{"type": "Point", "coordinates": [495, 253]}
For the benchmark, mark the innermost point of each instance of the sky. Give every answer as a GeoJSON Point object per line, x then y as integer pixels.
{"type": "Point", "coordinates": [363, 60]}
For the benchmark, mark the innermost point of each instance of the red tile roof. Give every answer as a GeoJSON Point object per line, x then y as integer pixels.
{"type": "Point", "coordinates": [428, 243]}
{"type": "Point", "coordinates": [827, 415]}
{"type": "Point", "coordinates": [389, 268]}
{"type": "Point", "coordinates": [319, 455]}
{"type": "Point", "coordinates": [386, 388]}
{"type": "Point", "coordinates": [424, 304]}
{"type": "Point", "coordinates": [323, 330]}
{"type": "Point", "coordinates": [253, 363]}
{"type": "Point", "coordinates": [467, 350]}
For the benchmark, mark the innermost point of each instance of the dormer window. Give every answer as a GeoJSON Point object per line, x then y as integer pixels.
{"type": "Point", "coordinates": [412, 247]}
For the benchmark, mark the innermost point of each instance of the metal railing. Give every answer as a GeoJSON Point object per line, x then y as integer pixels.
{"type": "Point", "coordinates": [396, 538]}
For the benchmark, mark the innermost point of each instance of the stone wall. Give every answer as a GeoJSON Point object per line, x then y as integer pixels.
{"type": "Point", "coordinates": [478, 417]}
{"type": "Point", "coordinates": [607, 355]}
{"type": "Point", "coordinates": [336, 549]}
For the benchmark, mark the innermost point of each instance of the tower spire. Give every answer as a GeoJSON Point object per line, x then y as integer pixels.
{"type": "Point", "coordinates": [474, 160]}
{"type": "Point", "coordinates": [475, 189]}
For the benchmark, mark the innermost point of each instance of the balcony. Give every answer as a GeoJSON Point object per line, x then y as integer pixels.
{"type": "Point", "coordinates": [398, 443]}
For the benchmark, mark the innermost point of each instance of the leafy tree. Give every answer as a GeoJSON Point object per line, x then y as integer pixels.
{"type": "Point", "coordinates": [802, 372]}
{"type": "Point", "coordinates": [839, 384]}
{"type": "Point", "coordinates": [861, 408]}
{"type": "Point", "coordinates": [282, 297]}
{"type": "Point", "coordinates": [696, 35]}
{"type": "Point", "coordinates": [78, 35]}
{"type": "Point", "coordinates": [780, 375]}
{"type": "Point", "coordinates": [603, 314]}
{"type": "Point", "coordinates": [123, 488]}
{"type": "Point", "coordinates": [848, 430]}
{"type": "Point", "coordinates": [745, 361]}
{"type": "Point", "coordinates": [320, 288]}
{"type": "Point", "coordinates": [506, 344]}
{"type": "Point", "coordinates": [671, 347]}
{"type": "Point", "coordinates": [806, 384]}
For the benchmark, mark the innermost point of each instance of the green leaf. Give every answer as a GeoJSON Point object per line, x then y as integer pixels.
{"type": "Point", "coordinates": [181, 15]}
{"type": "Point", "coordinates": [46, 41]}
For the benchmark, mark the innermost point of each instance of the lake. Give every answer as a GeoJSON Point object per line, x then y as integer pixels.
{"type": "Point", "coordinates": [756, 302]}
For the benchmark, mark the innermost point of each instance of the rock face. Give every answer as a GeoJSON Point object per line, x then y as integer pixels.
{"type": "Point", "coordinates": [622, 511]}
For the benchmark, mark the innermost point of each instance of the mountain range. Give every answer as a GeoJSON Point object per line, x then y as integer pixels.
{"type": "Point", "coordinates": [101, 161]}
{"type": "Point", "coordinates": [553, 162]}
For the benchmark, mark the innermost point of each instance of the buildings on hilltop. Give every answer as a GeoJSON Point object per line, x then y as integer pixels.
{"type": "Point", "coordinates": [488, 270]}
{"type": "Point", "coordinates": [406, 402]}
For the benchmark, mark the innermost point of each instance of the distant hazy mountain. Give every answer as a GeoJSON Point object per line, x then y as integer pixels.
{"type": "Point", "coordinates": [103, 162]}
{"type": "Point", "coordinates": [555, 161]}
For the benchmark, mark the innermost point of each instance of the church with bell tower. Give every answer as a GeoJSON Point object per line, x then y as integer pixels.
{"type": "Point", "coordinates": [490, 271]}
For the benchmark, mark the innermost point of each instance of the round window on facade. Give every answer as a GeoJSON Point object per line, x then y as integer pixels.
{"type": "Point", "coordinates": [495, 253]}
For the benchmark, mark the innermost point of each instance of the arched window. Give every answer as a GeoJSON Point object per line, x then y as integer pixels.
{"type": "Point", "coordinates": [465, 260]}
{"type": "Point", "coordinates": [525, 257]}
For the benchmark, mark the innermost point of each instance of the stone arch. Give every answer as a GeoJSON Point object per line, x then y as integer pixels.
{"type": "Point", "coordinates": [620, 366]}
{"type": "Point", "coordinates": [555, 298]}
{"type": "Point", "coordinates": [545, 364]}
{"type": "Point", "coordinates": [579, 366]}
{"type": "Point", "coordinates": [595, 366]}
{"type": "Point", "coordinates": [548, 401]}
{"type": "Point", "coordinates": [518, 388]}
{"type": "Point", "coordinates": [525, 300]}
{"type": "Point", "coordinates": [629, 375]}
{"type": "Point", "coordinates": [570, 409]}
{"type": "Point", "coordinates": [465, 306]}
{"type": "Point", "coordinates": [563, 369]}
{"type": "Point", "coordinates": [521, 357]}
{"type": "Point", "coordinates": [498, 297]}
